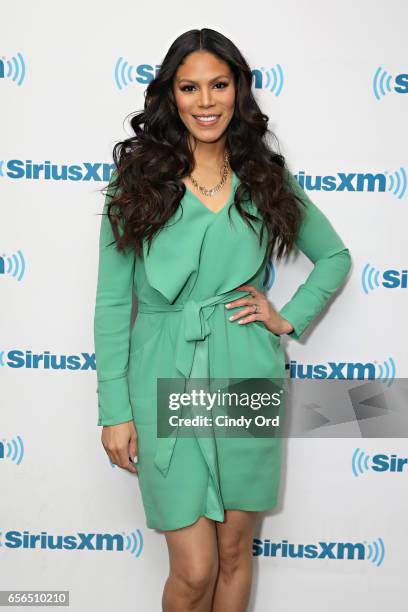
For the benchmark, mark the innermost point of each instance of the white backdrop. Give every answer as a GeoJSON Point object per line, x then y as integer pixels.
{"type": "Point", "coordinates": [337, 107]}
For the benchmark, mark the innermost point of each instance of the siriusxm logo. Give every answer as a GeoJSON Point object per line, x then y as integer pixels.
{"type": "Point", "coordinates": [395, 182]}
{"type": "Point", "coordinates": [362, 551]}
{"type": "Point", "coordinates": [12, 450]}
{"type": "Point", "coordinates": [47, 171]}
{"type": "Point", "coordinates": [343, 370]}
{"type": "Point", "coordinates": [119, 542]}
{"type": "Point", "coordinates": [361, 462]}
{"type": "Point", "coordinates": [13, 68]}
{"type": "Point", "coordinates": [13, 265]}
{"type": "Point", "coordinates": [384, 83]}
{"type": "Point", "coordinates": [125, 74]}
{"type": "Point", "coordinates": [47, 361]}
{"type": "Point", "coordinates": [371, 279]}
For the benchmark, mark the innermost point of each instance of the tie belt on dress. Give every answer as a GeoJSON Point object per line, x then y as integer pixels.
{"type": "Point", "coordinates": [191, 350]}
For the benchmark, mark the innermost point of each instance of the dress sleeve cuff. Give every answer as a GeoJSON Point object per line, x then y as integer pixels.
{"type": "Point", "coordinates": [300, 316]}
{"type": "Point", "coordinates": [113, 402]}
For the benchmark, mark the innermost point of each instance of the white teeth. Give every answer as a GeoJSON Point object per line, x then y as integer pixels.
{"type": "Point", "coordinates": [206, 118]}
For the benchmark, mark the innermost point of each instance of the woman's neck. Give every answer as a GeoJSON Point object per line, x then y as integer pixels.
{"type": "Point", "coordinates": [209, 157]}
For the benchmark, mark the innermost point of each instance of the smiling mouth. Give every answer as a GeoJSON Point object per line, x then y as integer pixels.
{"type": "Point", "coordinates": [206, 119]}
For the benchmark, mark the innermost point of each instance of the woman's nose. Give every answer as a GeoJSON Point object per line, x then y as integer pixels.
{"type": "Point", "coordinates": [206, 98]}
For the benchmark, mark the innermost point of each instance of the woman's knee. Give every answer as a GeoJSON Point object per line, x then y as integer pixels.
{"type": "Point", "coordinates": [196, 576]}
{"type": "Point", "coordinates": [232, 553]}
{"type": "Point", "coordinates": [235, 541]}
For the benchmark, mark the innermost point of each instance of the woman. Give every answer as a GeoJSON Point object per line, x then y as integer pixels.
{"type": "Point", "coordinates": [196, 206]}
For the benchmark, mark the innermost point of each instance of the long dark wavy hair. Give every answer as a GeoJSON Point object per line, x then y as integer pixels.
{"type": "Point", "coordinates": [147, 187]}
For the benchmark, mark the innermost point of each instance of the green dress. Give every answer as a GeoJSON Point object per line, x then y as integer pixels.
{"type": "Point", "coordinates": [182, 331]}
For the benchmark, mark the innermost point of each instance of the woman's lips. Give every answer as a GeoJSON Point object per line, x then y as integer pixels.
{"type": "Point", "coordinates": [206, 122]}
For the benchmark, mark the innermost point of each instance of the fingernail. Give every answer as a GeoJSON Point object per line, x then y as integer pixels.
{"type": "Point", "coordinates": [227, 305]}
{"type": "Point", "coordinates": [231, 318]}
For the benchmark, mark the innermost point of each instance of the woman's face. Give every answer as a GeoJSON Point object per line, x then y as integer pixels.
{"type": "Point", "coordinates": [204, 87]}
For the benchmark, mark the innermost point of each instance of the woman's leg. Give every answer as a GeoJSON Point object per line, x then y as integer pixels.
{"type": "Point", "coordinates": [193, 557]}
{"type": "Point", "coordinates": [234, 581]}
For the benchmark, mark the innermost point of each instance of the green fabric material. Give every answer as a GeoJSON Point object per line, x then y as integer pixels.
{"type": "Point", "coordinates": [319, 241]}
{"type": "Point", "coordinates": [113, 308]}
{"type": "Point", "coordinates": [182, 330]}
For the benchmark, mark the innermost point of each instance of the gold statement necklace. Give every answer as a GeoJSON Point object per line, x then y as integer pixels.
{"type": "Point", "coordinates": [225, 172]}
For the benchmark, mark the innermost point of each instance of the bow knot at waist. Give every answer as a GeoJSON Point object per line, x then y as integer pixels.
{"type": "Point", "coordinates": [194, 325]}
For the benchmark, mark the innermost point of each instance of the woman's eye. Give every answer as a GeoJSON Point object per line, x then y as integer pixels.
{"type": "Point", "coordinates": [186, 87]}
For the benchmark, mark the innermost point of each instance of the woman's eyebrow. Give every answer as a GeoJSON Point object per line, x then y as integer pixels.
{"type": "Point", "coordinates": [220, 76]}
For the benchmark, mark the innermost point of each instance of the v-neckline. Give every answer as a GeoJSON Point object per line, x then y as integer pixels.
{"type": "Point", "coordinates": [230, 197]}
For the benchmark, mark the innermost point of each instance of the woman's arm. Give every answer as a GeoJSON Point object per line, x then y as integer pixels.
{"type": "Point", "coordinates": [113, 307]}
{"type": "Point", "coordinates": [319, 241]}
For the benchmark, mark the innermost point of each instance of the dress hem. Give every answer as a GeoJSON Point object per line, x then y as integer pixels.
{"type": "Point", "coordinates": [262, 509]}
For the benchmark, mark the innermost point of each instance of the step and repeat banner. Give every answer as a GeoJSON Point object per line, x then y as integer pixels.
{"type": "Point", "coordinates": [333, 80]}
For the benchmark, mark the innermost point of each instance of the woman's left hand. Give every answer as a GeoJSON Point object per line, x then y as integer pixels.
{"type": "Point", "coordinates": [264, 311]}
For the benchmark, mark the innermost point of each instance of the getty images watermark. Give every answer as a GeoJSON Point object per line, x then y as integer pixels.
{"type": "Point", "coordinates": [282, 407]}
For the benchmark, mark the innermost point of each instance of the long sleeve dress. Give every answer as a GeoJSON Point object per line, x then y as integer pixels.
{"type": "Point", "coordinates": [182, 330]}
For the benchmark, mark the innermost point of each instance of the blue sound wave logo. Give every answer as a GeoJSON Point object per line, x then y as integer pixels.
{"type": "Point", "coordinates": [12, 450]}
{"type": "Point", "coordinates": [372, 278]}
{"type": "Point", "coordinates": [376, 551]}
{"type": "Point", "coordinates": [13, 265]}
{"type": "Point", "coordinates": [397, 182]}
{"type": "Point", "coordinates": [13, 69]}
{"type": "Point", "coordinates": [125, 73]}
{"type": "Point", "coordinates": [384, 83]}
{"type": "Point", "coordinates": [119, 542]}
{"type": "Point", "coordinates": [381, 83]}
{"type": "Point", "coordinates": [385, 371]}
{"type": "Point", "coordinates": [361, 463]}
{"type": "Point", "coordinates": [269, 276]}
{"type": "Point", "coordinates": [134, 542]}
{"type": "Point", "coordinates": [270, 79]}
